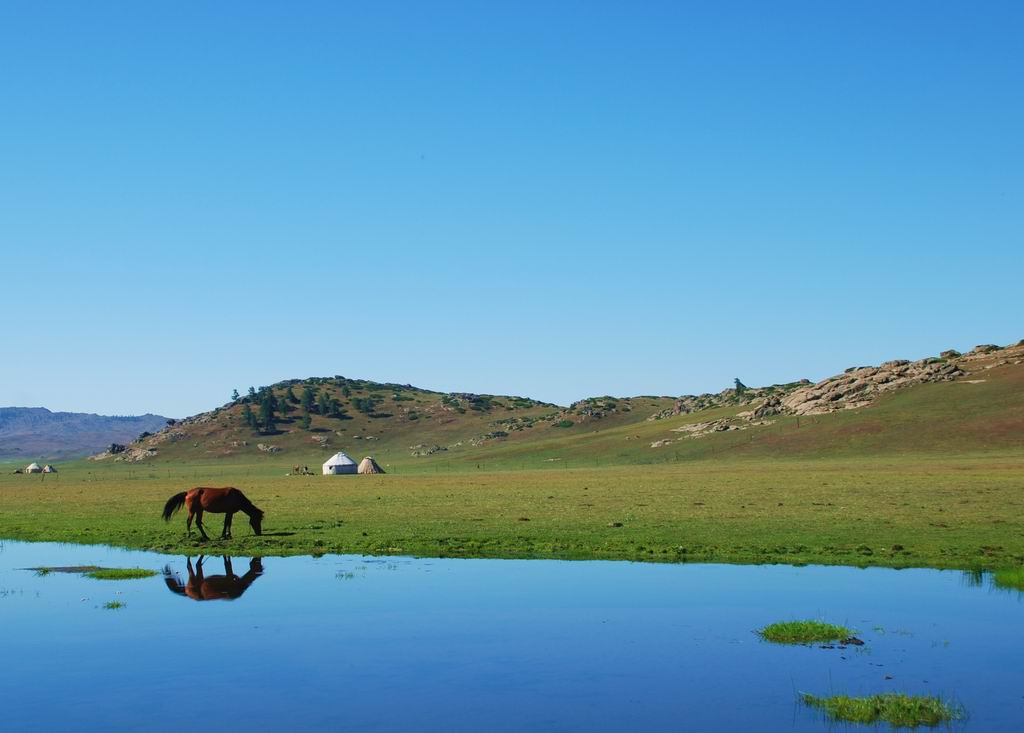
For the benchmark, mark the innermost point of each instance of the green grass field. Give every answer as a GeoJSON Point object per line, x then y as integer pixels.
{"type": "Point", "coordinates": [962, 512]}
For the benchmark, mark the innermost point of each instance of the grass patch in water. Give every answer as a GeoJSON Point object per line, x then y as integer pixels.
{"type": "Point", "coordinates": [1011, 578]}
{"type": "Point", "coordinates": [99, 573]}
{"type": "Point", "coordinates": [113, 605]}
{"type": "Point", "coordinates": [120, 573]}
{"type": "Point", "coordinates": [803, 632]}
{"type": "Point", "coordinates": [95, 571]}
{"type": "Point", "coordinates": [73, 569]}
{"type": "Point", "coordinates": [907, 711]}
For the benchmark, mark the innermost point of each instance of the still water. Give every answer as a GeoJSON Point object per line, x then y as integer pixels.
{"type": "Point", "coordinates": [398, 644]}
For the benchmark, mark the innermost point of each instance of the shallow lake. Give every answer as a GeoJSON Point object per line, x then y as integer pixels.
{"type": "Point", "coordinates": [390, 644]}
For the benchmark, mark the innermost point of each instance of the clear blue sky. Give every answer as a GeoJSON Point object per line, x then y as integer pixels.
{"type": "Point", "coordinates": [550, 199]}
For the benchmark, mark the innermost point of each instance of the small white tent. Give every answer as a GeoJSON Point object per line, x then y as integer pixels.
{"type": "Point", "coordinates": [33, 468]}
{"type": "Point", "coordinates": [339, 463]}
{"type": "Point", "coordinates": [368, 465]}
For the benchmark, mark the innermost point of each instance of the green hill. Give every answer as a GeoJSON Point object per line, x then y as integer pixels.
{"type": "Point", "coordinates": [952, 404]}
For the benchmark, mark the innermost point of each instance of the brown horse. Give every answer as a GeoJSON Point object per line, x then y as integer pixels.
{"type": "Point", "coordinates": [202, 587]}
{"type": "Point", "coordinates": [227, 501]}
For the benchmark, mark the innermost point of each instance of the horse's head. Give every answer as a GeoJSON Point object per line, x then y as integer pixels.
{"type": "Point", "coordinates": [173, 582]}
{"type": "Point", "coordinates": [256, 522]}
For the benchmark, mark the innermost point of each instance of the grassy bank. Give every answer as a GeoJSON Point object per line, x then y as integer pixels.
{"type": "Point", "coordinates": [899, 512]}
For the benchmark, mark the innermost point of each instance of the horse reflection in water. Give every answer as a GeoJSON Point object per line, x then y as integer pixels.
{"type": "Point", "coordinates": [202, 587]}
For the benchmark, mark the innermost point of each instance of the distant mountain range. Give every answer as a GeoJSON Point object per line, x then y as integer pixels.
{"type": "Point", "coordinates": [35, 433]}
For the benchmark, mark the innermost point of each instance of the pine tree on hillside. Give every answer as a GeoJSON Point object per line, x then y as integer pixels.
{"type": "Point", "coordinates": [234, 395]}
{"type": "Point", "coordinates": [365, 405]}
{"type": "Point", "coordinates": [289, 396]}
{"type": "Point", "coordinates": [247, 415]}
{"type": "Point", "coordinates": [267, 404]}
{"type": "Point", "coordinates": [307, 398]}
{"type": "Point", "coordinates": [740, 387]}
{"type": "Point", "coordinates": [345, 391]}
{"type": "Point", "coordinates": [330, 406]}
{"type": "Point", "coordinates": [305, 421]}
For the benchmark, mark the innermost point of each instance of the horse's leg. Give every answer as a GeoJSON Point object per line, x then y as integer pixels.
{"type": "Point", "coordinates": [199, 524]}
{"type": "Point", "coordinates": [227, 567]}
{"type": "Point", "coordinates": [188, 524]}
{"type": "Point", "coordinates": [227, 525]}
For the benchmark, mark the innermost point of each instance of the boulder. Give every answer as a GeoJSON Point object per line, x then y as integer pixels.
{"type": "Point", "coordinates": [771, 406]}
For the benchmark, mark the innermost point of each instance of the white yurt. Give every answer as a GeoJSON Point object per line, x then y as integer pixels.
{"type": "Point", "coordinates": [49, 469]}
{"type": "Point", "coordinates": [339, 463]}
{"type": "Point", "coordinates": [33, 468]}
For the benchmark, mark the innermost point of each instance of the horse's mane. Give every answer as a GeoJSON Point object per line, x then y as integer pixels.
{"type": "Point", "coordinates": [251, 508]}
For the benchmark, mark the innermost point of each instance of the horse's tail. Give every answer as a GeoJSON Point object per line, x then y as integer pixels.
{"type": "Point", "coordinates": [173, 504]}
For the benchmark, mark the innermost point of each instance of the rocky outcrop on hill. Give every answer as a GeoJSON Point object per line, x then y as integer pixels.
{"type": "Point", "coordinates": [772, 405]}
{"type": "Point", "coordinates": [425, 450]}
{"type": "Point", "coordinates": [683, 406]}
{"type": "Point", "coordinates": [148, 445]}
{"type": "Point", "coordinates": [593, 408]}
{"type": "Point", "coordinates": [767, 397]}
{"type": "Point", "coordinates": [487, 438]}
{"type": "Point", "coordinates": [742, 421]}
{"type": "Point", "coordinates": [855, 388]}
{"type": "Point", "coordinates": [859, 386]}
{"type": "Point", "coordinates": [125, 453]}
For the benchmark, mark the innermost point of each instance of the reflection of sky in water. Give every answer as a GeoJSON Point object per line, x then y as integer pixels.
{"type": "Point", "coordinates": [403, 644]}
